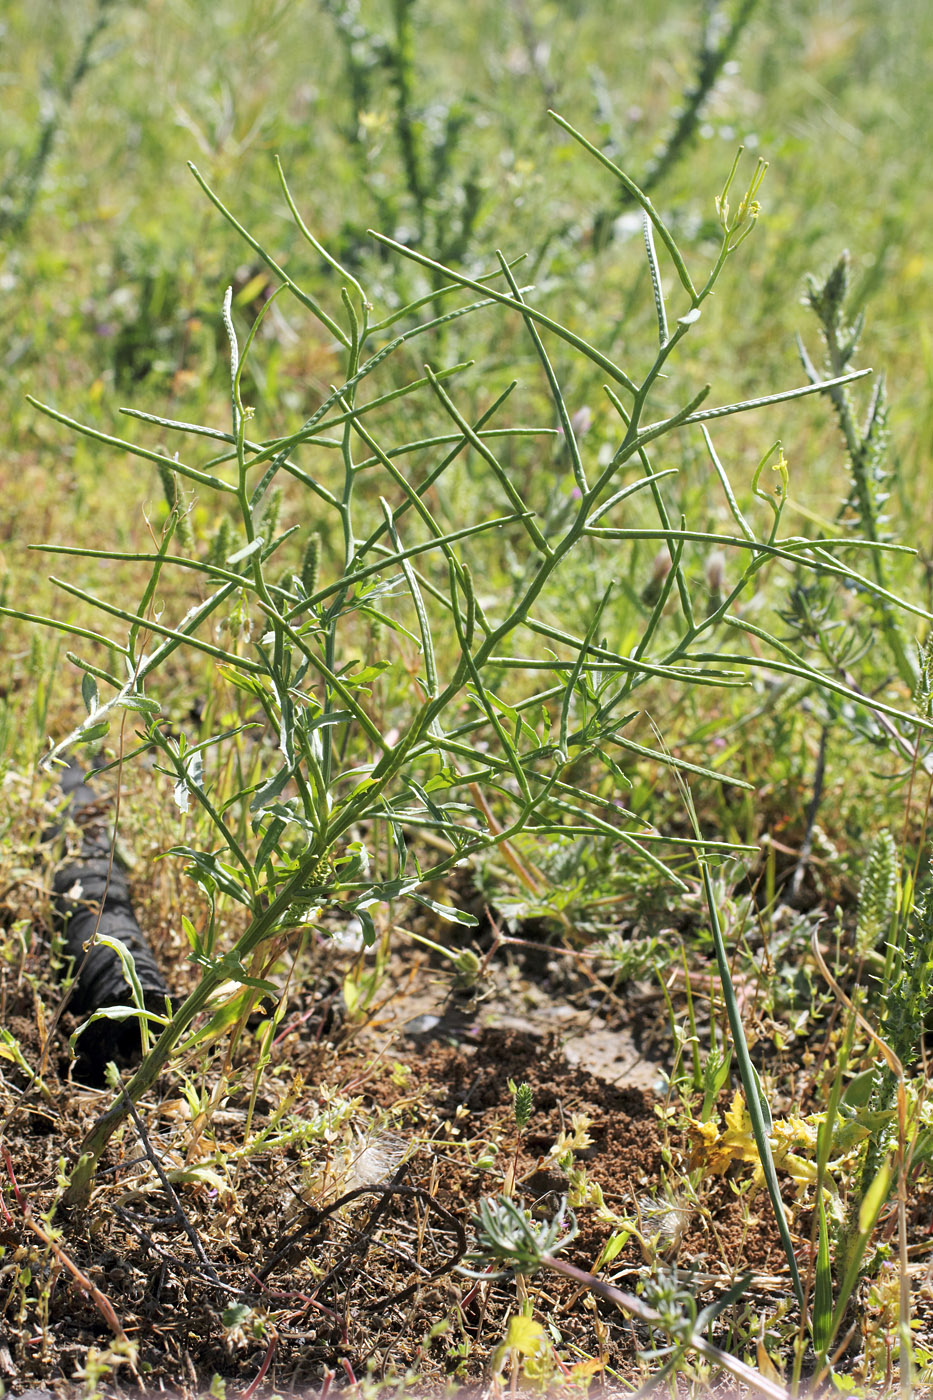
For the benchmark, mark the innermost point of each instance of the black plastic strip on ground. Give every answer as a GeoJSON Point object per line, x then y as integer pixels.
{"type": "Point", "coordinates": [80, 887]}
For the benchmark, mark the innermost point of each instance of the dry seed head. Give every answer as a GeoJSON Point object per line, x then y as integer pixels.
{"type": "Point", "coordinates": [311, 563]}
{"type": "Point", "coordinates": [715, 571]}
{"type": "Point", "coordinates": [373, 1159]}
{"type": "Point", "coordinates": [660, 568]}
{"type": "Point", "coordinates": [661, 565]}
{"type": "Point", "coordinates": [665, 1220]}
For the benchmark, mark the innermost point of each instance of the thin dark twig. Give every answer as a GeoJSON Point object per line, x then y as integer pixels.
{"type": "Point", "coordinates": [135, 1226]}
{"type": "Point", "coordinates": [316, 1217]}
{"type": "Point", "coordinates": [153, 1222]}
{"type": "Point", "coordinates": [117, 1167]}
{"type": "Point", "coordinates": [180, 1217]}
{"type": "Point", "coordinates": [445, 1266]}
{"type": "Point", "coordinates": [364, 1239]}
{"type": "Point", "coordinates": [398, 1253]}
{"type": "Point", "coordinates": [288, 1295]}
{"type": "Point", "coordinates": [307, 1226]}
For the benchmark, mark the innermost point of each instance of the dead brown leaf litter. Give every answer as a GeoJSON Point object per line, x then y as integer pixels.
{"type": "Point", "coordinates": [301, 1230]}
{"type": "Point", "coordinates": [224, 1257]}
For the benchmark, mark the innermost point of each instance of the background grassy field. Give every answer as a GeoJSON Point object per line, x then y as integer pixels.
{"type": "Point", "coordinates": [430, 124]}
{"type": "Point", "coordinates": [111, 291]}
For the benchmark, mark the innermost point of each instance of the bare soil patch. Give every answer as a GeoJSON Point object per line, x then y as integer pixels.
{"type": "Point", "coordinates": [216, 1263]}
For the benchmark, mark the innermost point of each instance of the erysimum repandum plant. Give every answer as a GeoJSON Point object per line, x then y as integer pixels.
{"type": "Point", "coordinates": [505, 703]}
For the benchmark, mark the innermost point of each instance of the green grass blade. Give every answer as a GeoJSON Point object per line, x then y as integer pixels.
{"type": "Point", "coordinates": [758, 1109]}
{"type": "Point", "coordinates": [737, 515]}
{"type": "Point", "coordinates": [823, 1286]}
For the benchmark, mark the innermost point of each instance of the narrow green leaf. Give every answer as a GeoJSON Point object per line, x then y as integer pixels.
{"type": "Point", "coordinates": [823, 1287]}
{"type": "Point", "coordinates": [446, 911]}
{"type": "Point", "coordinates": [89, 693]}
{"type": "Point", "coordinates": [90, 733]}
